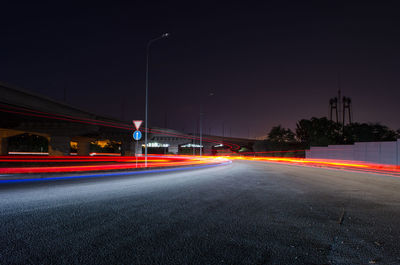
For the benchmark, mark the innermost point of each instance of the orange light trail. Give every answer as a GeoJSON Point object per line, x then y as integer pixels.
{"type": "Point", "coordinates": [101, 163]}
{"type": "Point", "coordinates": [112, 163]}
{"type": "Point", "coordinates": [347, 165]}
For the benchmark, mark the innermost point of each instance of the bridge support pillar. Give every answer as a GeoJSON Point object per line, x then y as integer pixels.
{"type": "Point", "coordinates": [59, 146]}
{"type": "Point", "coordinates": [127, 148]}
{"type": "Point", "coordinates": [206, 149]}
{"type": "Point", "coordinates": [3, 142]}
{"type": "Point", "coordinates": [83, 147]}
{"type": "Point", "coordinates": [3, 145]}
{"type": "Point", "coordinates": [173, 149]}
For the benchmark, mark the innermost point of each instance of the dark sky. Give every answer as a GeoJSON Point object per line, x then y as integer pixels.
{"type": "Point", "coordinates": [267, 64]}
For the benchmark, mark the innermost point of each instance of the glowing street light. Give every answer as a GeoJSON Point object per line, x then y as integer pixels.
{"type": "Point", "coordinates": [163, 36]}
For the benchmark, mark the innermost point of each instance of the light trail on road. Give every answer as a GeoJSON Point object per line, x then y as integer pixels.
{"type": "Point", "coordinates": [113, 174]}
{"type": "Point", "coordinates": [348, 165]}
{"type": "Point", "coordinates": [45, 164]}
{"type": "Point", "coordinates": [113, 163]}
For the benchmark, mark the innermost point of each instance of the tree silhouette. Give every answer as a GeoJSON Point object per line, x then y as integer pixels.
{"type": "Point", "coordinates": [318, 132]}
{"type": "Point", "coordinates": [363, 132]}
{"type": "Point", "coordinates": [321, 132]}
{"type": "Point", "coordinates": [281, 135]}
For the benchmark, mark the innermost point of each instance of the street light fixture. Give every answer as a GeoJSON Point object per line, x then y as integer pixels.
{"type": "Point", "coordinates": [163, 36]}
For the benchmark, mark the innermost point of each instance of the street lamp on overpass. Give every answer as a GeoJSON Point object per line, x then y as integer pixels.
{"type": "Point", "coordinates": [163, 36]}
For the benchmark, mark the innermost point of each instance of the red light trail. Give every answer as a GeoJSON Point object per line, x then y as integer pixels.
{"type": "Point", "coordinates": [357, 166]}
{"type": "Point", "coordinates": [272, 152]}
{"type": "Point", "coordinates": [126, 163]}
{"type": "Point", "coordinates": [98, 163]}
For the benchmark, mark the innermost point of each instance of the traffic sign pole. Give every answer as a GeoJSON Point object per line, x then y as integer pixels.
{"type": "Point", "coordinates": [137, 135]}
{"type": "Point", "coordinates": [135, 152]}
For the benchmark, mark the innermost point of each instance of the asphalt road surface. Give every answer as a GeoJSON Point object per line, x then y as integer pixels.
{"type": "Point", "coordinates": [243, 213]}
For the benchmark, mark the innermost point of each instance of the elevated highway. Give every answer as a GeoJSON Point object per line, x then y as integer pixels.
{"type": "Point", "coordinates": [23, 112]}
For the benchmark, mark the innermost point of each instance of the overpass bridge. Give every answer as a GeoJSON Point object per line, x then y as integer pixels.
{"type": "Point", "coordinates": [63, 126]}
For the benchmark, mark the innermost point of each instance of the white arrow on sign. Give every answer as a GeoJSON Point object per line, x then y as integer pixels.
{"type": "Point", "coordinates": [137, 124]}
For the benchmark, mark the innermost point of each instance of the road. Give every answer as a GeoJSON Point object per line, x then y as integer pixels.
{"type": "Point", "coordinates": [244, 213]}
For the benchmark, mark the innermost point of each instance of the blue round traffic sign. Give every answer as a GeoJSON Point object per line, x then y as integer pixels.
{"type": "Point", "coordinates": [137, 135]}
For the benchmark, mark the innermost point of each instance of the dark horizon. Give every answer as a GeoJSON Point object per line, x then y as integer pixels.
{"type": "Point", "coordinates": [267, 64]}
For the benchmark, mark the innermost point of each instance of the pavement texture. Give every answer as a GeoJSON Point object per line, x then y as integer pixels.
{"type": "Point", "coordinates": [244, 213]}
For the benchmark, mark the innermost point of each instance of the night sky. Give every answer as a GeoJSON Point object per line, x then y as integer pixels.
{"type": "Point", "coordinates": [267, 64]}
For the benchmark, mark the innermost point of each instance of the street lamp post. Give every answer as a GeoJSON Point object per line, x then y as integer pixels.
{"type": "Point", "coordinates": [165, 35]}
